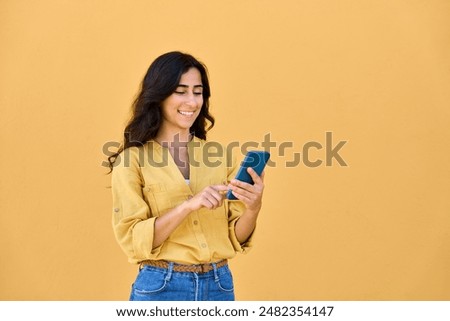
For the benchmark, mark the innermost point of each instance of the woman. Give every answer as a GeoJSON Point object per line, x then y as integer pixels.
{"type": "Point", "coordinates": [169, 212]}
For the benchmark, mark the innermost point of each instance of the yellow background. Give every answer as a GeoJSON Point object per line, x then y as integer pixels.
{"type": "Point", "coordinates": [374, 73]}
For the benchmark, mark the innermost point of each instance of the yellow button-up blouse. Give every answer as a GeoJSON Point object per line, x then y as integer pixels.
{"type": "Point", "coordinates": [146, 183]}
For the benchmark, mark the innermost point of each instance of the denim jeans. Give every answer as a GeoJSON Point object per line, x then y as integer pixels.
{"type": "Point", "coordinates": [160, 284]}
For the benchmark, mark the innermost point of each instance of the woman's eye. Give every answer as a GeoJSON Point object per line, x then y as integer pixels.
{"type": "Point", "coordinates": [185, 92]}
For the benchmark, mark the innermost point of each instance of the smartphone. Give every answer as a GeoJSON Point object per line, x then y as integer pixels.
{"type": "Point", "coordinates": [255, 159]}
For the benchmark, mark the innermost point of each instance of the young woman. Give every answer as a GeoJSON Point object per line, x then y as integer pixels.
{"type": "Point", "coordinates": [170, 215]}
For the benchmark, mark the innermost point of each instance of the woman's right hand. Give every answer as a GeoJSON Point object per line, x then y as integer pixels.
{"type": "Point", "coordinates": [210, 197]}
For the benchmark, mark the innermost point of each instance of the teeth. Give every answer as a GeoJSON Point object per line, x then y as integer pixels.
{"type": "Point", "coordinates": [186, 113]}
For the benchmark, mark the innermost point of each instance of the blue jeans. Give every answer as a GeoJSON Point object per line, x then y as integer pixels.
{"type": "Point", "coordinates": [160, 284]}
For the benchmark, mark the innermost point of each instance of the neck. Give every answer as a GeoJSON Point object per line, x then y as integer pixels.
{"type": "Point", "coordinates": [177, 138]}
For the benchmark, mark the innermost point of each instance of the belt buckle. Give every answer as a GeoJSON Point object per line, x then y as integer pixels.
{"type": "Point", "coordinates": [204, 268]}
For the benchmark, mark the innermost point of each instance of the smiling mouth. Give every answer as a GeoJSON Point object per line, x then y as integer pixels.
{"type": "Point", "coordinates": [186, 113]}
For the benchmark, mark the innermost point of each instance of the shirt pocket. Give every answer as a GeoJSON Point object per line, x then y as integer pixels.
{"type": "Point", "coordinates": [158, 198]}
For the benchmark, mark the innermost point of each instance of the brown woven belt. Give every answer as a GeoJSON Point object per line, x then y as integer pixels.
{"type": "Point", "coordinates": [195, 268]}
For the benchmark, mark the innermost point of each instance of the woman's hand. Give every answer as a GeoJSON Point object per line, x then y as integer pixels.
{"type": "Point", "coordinates": [210, 197]}
{"type": "Point", "coordinates": [250, 195]}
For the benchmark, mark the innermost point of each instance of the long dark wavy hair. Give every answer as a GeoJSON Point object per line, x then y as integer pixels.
{"type": "Point", "coordinates": [161, 80]}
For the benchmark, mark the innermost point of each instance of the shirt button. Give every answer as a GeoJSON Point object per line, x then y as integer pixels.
{"type": "Point", "coordinates": [195, 222]}
{"type": "Point", "coordinates": [203, 245]}
{"type": "Point", "coordinates": [116, 209]}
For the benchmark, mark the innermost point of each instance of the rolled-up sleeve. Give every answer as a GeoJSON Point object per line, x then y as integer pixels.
{"type": "Point", "coordinates": [235, 210]}
{"type": "Point", "coordinates": [133, 223]}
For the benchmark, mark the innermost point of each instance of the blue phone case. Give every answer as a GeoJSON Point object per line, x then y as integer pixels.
{"type": "Point", "coordinates": [254, 159]}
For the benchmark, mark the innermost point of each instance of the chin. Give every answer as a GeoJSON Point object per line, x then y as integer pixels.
{"type": "Point", "coordinates": [185, 126]}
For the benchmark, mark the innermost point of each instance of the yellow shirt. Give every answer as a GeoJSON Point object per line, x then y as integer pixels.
{"type": "Point", "coordinates": [146, 183]}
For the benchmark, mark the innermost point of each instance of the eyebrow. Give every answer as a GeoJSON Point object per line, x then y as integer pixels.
{"type": "Point", "coordinates": [186, 86]}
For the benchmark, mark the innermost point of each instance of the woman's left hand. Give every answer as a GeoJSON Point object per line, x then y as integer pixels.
{"type": "Point", "coordinates": [250, 195]}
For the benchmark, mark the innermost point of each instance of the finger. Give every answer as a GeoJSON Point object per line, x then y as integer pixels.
{"type": "Point", "coordinates": [209, 202]}
{"type": "Point", "coordinates": [241, 184]}
{"type": "Point", "coordinates": [251, 195]}
{"type": "Point", "coordinates": [262, 175]}
{"type": "Point", "coordinates": [218, 194]}
{"type": "Point", "coordinates": [241, 197]}
{"type": "Point", "coordinates": [221, 188]}
{"type": "Point", "coordinates": [254, 176]}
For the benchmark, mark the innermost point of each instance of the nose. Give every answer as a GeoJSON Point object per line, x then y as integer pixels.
{"type": "Point", "coordinates": [191, 100]}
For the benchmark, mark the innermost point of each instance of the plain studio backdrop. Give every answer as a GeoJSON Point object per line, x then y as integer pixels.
{"type": "Point", "coordinates": [374, 74]}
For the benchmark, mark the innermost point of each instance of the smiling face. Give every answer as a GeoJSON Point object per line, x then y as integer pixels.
{"type": "Point", "coordinates": [182, 107]}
